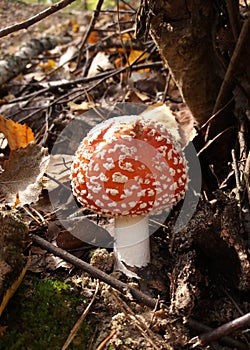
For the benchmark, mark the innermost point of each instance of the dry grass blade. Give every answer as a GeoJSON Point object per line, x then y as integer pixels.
{"type": "Point", "coordinates": [105, 341]}
{"type": "Point", "coordinates": [144, 330]}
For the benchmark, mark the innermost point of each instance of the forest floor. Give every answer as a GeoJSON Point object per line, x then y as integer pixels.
{"type": "Point", "coordinates": [198, 278]}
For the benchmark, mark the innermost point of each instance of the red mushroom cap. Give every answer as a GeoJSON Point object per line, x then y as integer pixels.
{"type": "Point", "coordinates": [129, 165]}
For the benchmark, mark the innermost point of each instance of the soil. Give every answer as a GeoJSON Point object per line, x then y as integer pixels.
{"type": "Point", "coordinates": [200, 274]}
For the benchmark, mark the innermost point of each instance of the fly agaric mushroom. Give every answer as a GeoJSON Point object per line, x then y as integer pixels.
{"type": "Point", "coordinates": [128, 167]}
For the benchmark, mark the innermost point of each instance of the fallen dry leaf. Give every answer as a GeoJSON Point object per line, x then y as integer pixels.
{"type": "Point", "coordinates": [23, 173]}
{"type": "Point", "coordinates": [17, 135]}
{"type": "Point", "coordinates": [94, 37]}
{"type": "Point", "coordinates": [81, 107]}
{"type": "Point", "coordinates": [99, 64]}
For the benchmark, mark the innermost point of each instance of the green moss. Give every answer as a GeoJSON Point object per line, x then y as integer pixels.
{"type": "Point", "coordinates": [41, 315]}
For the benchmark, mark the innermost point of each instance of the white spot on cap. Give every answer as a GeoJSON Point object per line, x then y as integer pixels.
{"type": "Point", "coordinates": [175, 161]}
{"type": "Point", "coordinates": [105, 197]}
{"type": "Point", "coordinates": [99, 203]}
{"type": "Point", "coordinates": [101, 154]}
{"type": "Point", "coordinates": [95, 189]}
{"type": "Point", "coordinates": [112, 191]}
{"type": "Point", "coordinates": [127, 193]}
{"type": "Point", "coordinates": [173, 186]}
{"type": "Point", "coordinates": [151, 193]}
{"type": "Point", "coordinates": [141, 193]}
{"type": "Point", "coordinates": [126, 166]}
{"type": "Point", "coordinates": [112, 204]}
{"type": "Point", "coordinates": [80, 177]}
{"type": "Point", "coordinates": [96, 167]}
{"type": "Point", "coordinates": [119, 177]}
{"type": "Point", "coordinates": [170, 153]}
{"type": "Point", "coordinates": [109, 166]}
{"type": "Point", "coordinates": [172, 171]}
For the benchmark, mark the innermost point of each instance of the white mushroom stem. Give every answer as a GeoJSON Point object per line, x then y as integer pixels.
{"type": "Point", "coordinates": [131, 242]}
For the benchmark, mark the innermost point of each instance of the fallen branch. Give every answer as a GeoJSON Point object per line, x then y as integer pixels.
{"type": "Point", "coordinates": [38, 17]}
{"type": "Point", "coordinates": [222, 331]}
{"type": "Point", "coordinates": [15, 64]}
{"type": "Point", "coordinates": [96, 273]}
{"type": "Point", "coordinates": [120, 286]}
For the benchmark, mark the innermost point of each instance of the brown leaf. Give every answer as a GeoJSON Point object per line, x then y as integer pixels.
{"type": "Point", "coordinates": [17, 135]}
{"type": "Point", "coordinates": [23, 173]}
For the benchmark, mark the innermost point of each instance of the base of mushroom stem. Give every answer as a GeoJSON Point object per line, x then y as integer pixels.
{"type": "Point", "coordinates": [131, 242]}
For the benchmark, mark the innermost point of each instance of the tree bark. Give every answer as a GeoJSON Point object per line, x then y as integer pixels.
{"type": "Point", "coordinates": [184, 32]}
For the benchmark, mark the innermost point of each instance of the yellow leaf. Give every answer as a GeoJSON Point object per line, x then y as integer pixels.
{"type": "Point", "coordinates": [137, 54]}
{"type": "Point", "coordinates": [48, 66]}
{"type": "Point", "coordinates": [17, 135]}
{"type": "Point", "coordinates": [75, 27]}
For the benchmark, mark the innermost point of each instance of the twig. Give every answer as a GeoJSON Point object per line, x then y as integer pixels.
{"type": "Point", "coordinates": [106, 340]}
{"type": "Point", "coordinates": [229, 76]}
{"type": "Point", "coordinates": [102, 76]}
{"type": "Point", "coordinates": [80, 320]}
{"type": "Point", "coordinates": [38, 17]}
{"type": "Point", "coordinates": [247, 176]}
{"type": "Point", "coordinates": [221, 332]}
{"type": "Point", "coordinates": [208, 143]}
{"type": "Point", "coordinates": [129, 12]}
{"type": "Point", "coordinates": [68, 188]}
{"type": "Point", "coordinates": [96, 273]}
{"type": "Point", "coordinates": [216, 114]}
{"type": "Point", "coordinates": [129, 5]}
{"type": "Point", "coordinates": [90, 28]}
{"type": "Point", "coordinates": [201, 328]}
{"type": "Point", "coordinates": [236, 175]}
{"type": "Point", "coordinates": [119, 31]}
{"type": "Point", "coordinates": [234, 17]}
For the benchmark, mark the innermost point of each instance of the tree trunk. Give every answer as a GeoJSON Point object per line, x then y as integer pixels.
{"type": "Point", "coordinates": [184, 32]}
